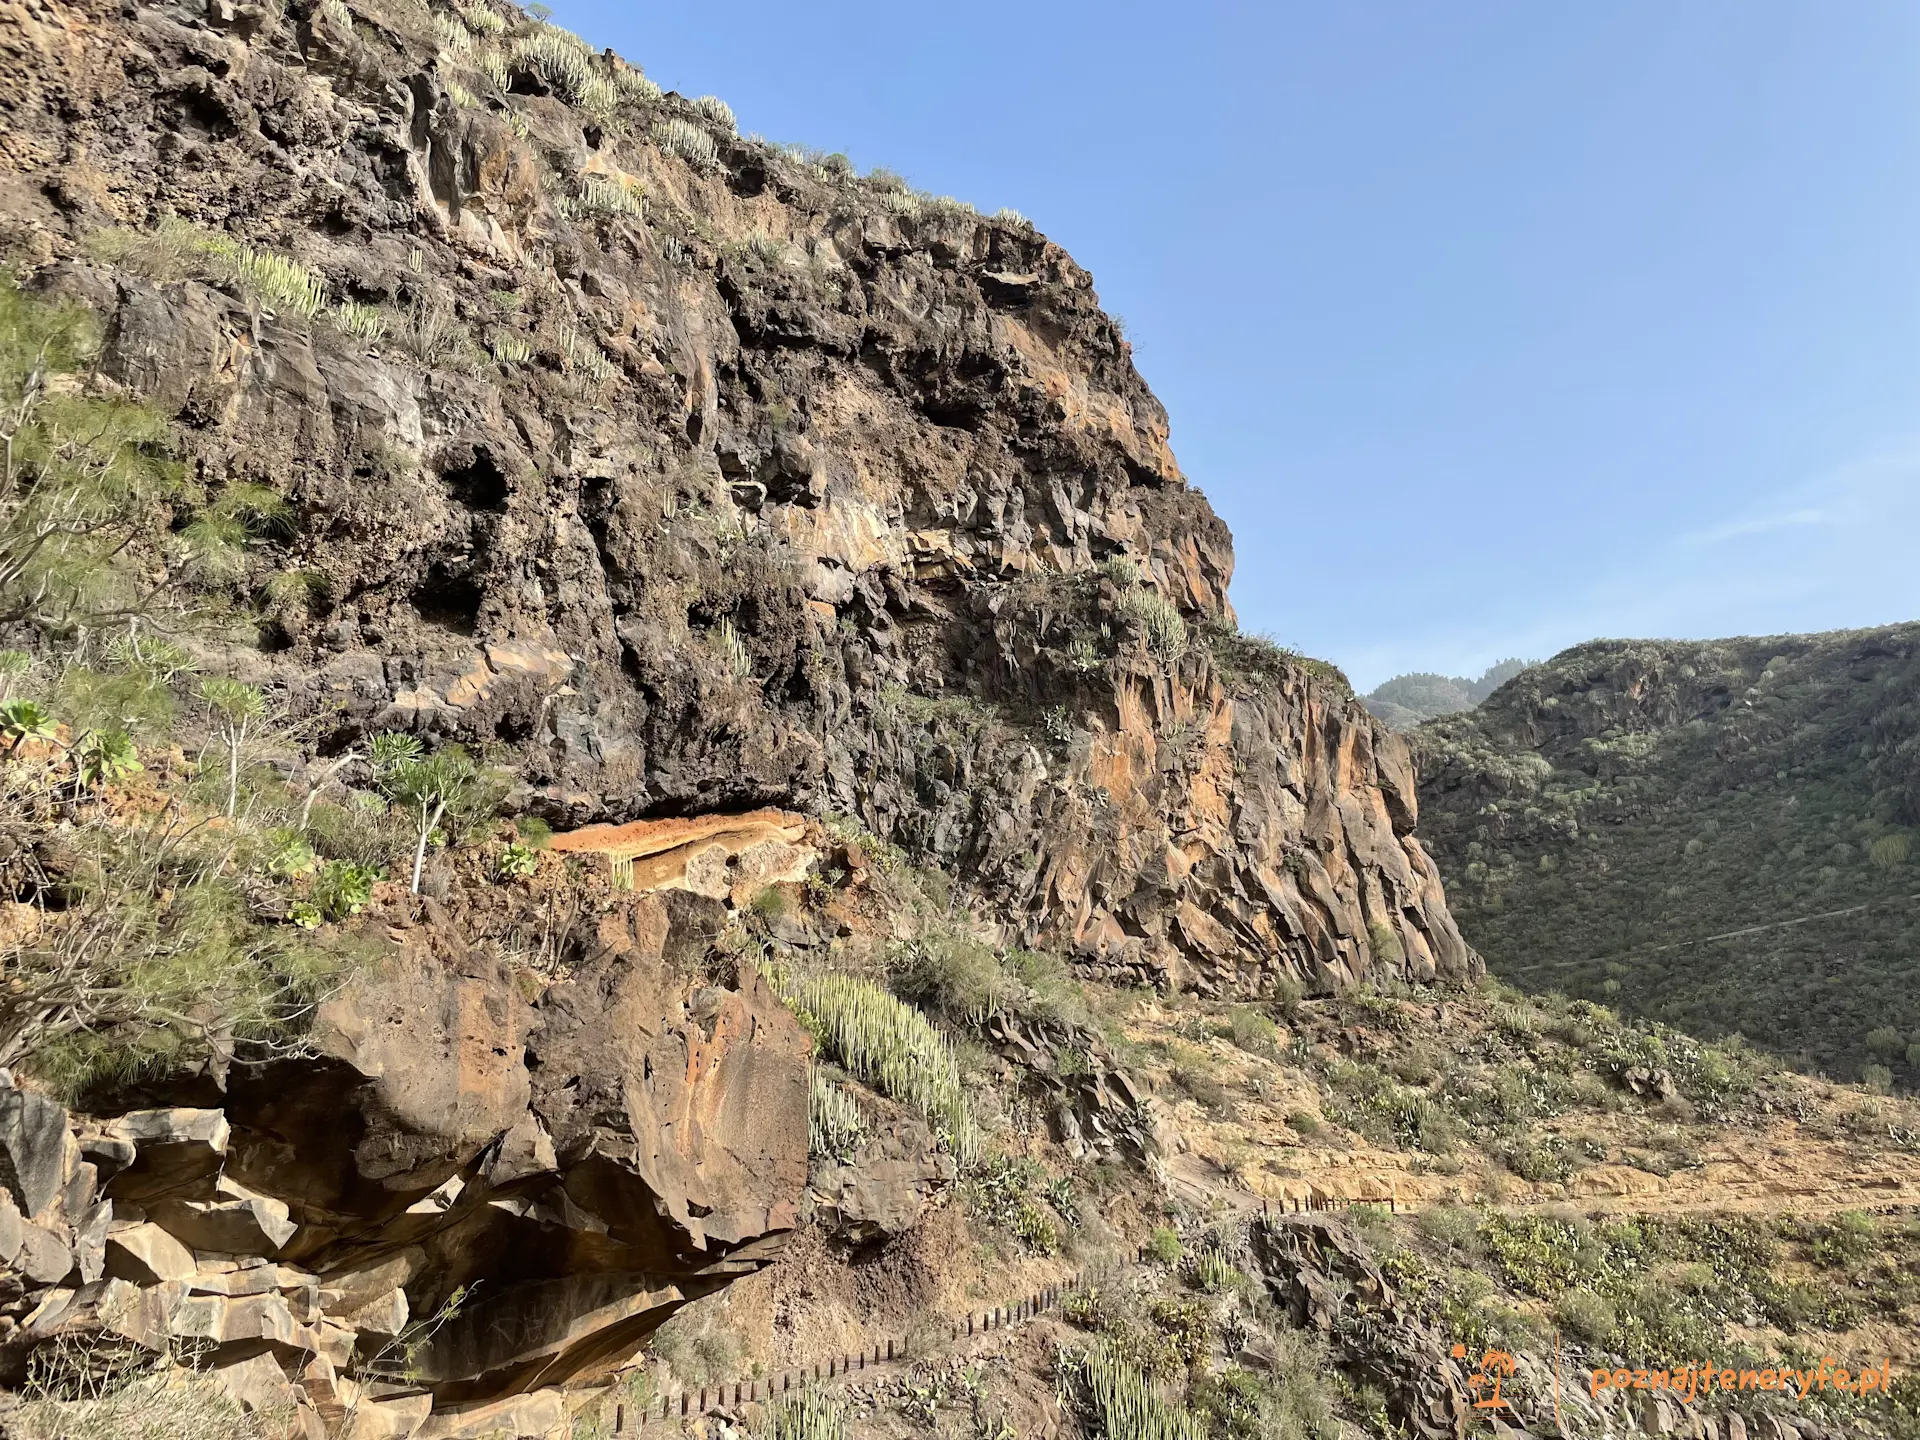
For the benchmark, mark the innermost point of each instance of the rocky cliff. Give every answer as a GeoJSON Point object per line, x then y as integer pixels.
{"type": "Point", "coordinates": [700, 473]}
{"type": "Point", "coordinates": [1717, 834]}
{"type": "Point", "coordinates": [466, 1194]}
{"type": "Point", "coordinates": [762, 524]}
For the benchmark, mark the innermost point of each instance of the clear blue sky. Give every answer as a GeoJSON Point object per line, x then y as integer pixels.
{"type": "Point", "coordinates": [1490, 326]}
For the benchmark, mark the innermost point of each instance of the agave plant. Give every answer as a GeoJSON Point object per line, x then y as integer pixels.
{"type": "Point", "coordinates": [21, 721]}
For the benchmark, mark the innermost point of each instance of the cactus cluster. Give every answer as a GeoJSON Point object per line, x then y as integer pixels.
{"type": "Point", "coordinates": [808, 1416]}
{"type": "Point", "coordinates": [889, 1045]}
{"type": "Point", "coordinates": [1158, 621]}
{"type": "Point", "coordinates": [1126, 1404]}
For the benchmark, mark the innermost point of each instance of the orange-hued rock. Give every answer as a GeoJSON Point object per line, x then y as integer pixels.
{"type": "Point", "coordinates": [539, 1176]}
{"type": "Point", "coordinates": [653, 837]}
{"type": "Point", "coordinates": [719, 856]}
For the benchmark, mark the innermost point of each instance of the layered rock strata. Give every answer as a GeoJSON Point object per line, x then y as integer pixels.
{"type": "Point", "coordinates": [703, 475]}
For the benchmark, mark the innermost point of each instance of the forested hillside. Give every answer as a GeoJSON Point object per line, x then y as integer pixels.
{"type": "Point", "coordinates": [1605, 817]}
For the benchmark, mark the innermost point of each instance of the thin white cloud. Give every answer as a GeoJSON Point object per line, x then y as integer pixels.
{"type": "Point", "coordinates": [1734, 529]}
{"type": "Point", "coordinates": [1835, 551]}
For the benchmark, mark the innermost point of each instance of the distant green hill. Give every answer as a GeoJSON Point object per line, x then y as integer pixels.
{"type": "Point", "coordinates": [1600, 816]}
{"type": "Point", "coordinates": [1406, 700]}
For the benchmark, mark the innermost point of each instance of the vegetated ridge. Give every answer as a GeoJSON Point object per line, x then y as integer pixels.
{"type": "Point", "coordinates": [1406, 700]}
{"type": "Point", "coordinates": [1605, 815]}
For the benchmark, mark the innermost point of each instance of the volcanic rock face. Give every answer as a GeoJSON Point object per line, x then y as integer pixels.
{"type": "Point", "coordinates": [543, 1183]}
{"type": "Point", "coordinates": [790, 490]}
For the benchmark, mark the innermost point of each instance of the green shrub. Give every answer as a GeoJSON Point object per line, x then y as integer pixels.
{"type": "Point", "coordinates": [23, 720]}
{"type": "Point", "coordinates": [87, 487]}
{"type": "Point", "coordinates": [1296, 1400]}
{"type": "Point", "coordinates": [155, 955]}
{"type": "Point", "coordinates": [953, 975]}
{"type": "Point", "coordinates": [1253, 1031]}
{"type": "Point", "coordinates": [343, 888]}
{"type": "Point", "coordinates": [1847, 1239]}
{"type": "Point", "coordinates": [1585, 1314]}
{"type": "Point", "coordinates": [442, 794]}
{"type": "Point", "coordinates": [1885, 1043]}
{"type": "Point", "coordinates": [1003, 1191]}
{"type": "Point", "coordinates": [165, 1405]}
{"type": "Point", "coordinates": [1204, 1088]}
{"type": "Point", "coordinates": [889, 1045]}
{"type": "Point", "coordinates": [1303, 1122]}
{"type": "Point", "coordinates": [518, 861]}
{"type": "Point", "coordinates": [105, 757]}
{"type": "Point", "coordinates": [288, 855]}
{"type": "Point", "coordinates": [1163, 1246]}
{"type": "Point", "coordinates": [1455, 1226]}
{"type": "Point", "coordinates": [1889, 852]}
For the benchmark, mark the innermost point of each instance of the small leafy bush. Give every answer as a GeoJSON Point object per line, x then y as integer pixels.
{"type": "Point", "coordinates": [1163, 1245]}
{"type": "Point", "coordinates": [343, 889]}
{"type": "Point", "coordinates": [1585, 1314]}
{"type": "Point", "coordinates": [155, 954]}
{"type": "Point", "coordinates": [1253, 1031]}
{"type": "Point", "coordinates": [518, 860]}
{"type": "Point", "coordinates": [1455, 1226]}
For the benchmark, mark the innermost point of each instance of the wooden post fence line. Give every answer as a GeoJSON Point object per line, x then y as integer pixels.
{"type": "Point", "coordinates": [684, 1405]}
